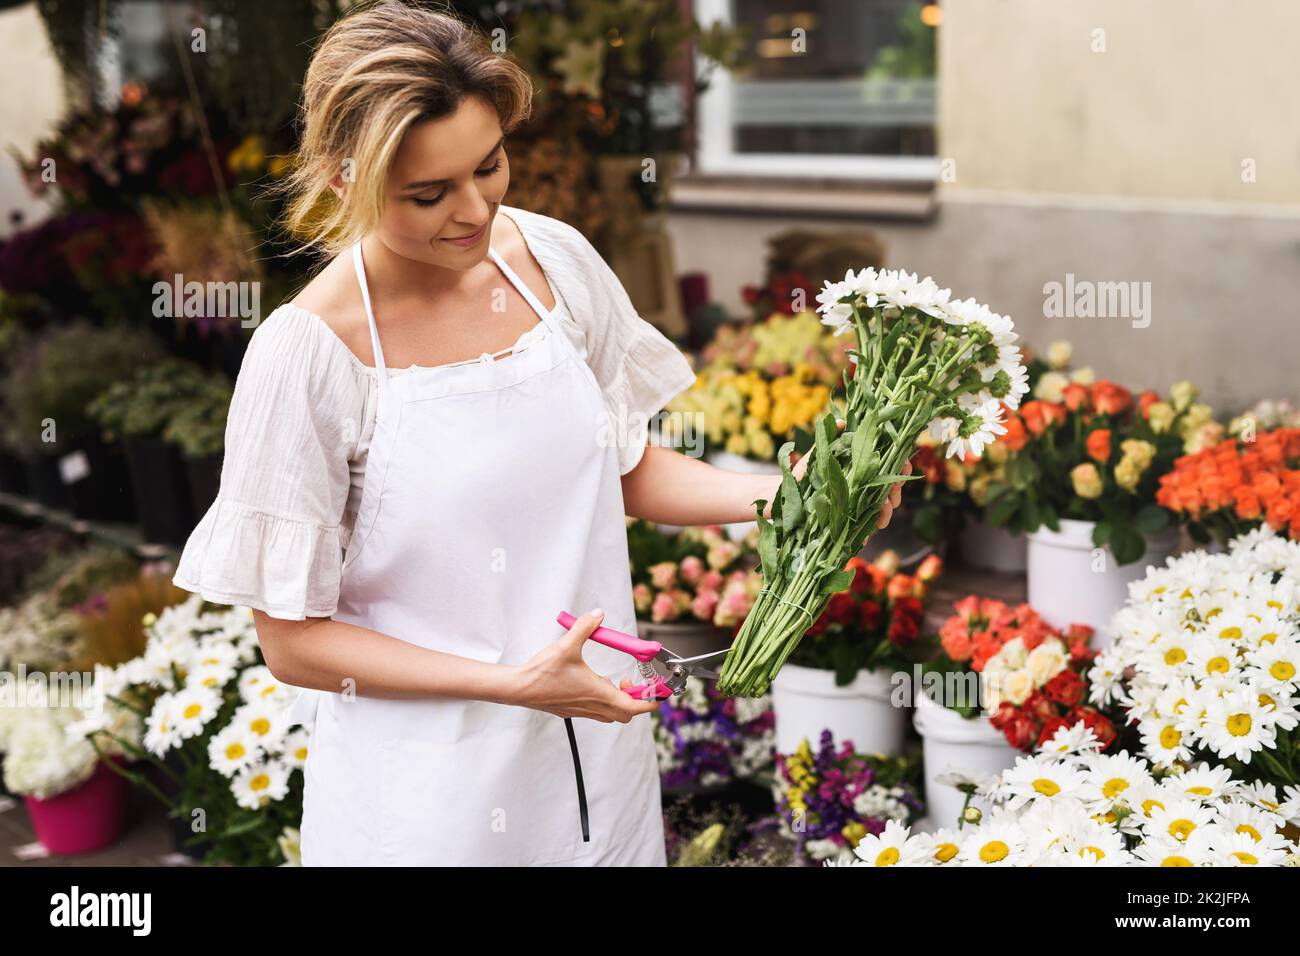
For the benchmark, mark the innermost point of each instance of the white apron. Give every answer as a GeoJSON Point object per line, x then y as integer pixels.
{"type": "Point", "coordinates": [490, 504]}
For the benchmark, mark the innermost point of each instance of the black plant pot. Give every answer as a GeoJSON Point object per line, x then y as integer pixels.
{"type": "Point", "coordinates": [13, 475]}
{"type": "Point", "coordinates": [44, 482]}
{"type": "Point", "coordinates": [104, 494]}
{"type": "Point", "coordinates": [162, 493]}
{"type": "Point", "coordinates": [205, 481]}
{"type": "Point", "coordinates": [184, 839]}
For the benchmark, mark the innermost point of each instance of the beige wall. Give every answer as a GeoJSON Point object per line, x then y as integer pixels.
{"type": "Point", "coordinates": [1184, 92]}
{"type": "Point", "coordinates": [31, 104]}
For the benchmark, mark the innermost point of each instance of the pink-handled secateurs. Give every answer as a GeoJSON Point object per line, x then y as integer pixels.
{"type": "Point", "coordinates": [657, 686]}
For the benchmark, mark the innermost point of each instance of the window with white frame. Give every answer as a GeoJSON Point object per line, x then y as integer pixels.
{"type": "Point", "coordinates": [839, 88]}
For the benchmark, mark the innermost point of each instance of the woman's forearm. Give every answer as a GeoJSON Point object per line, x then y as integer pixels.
{"type": "Point", "coordinates": [325, 654]}
{"type": "Point", "coordinates": [668, 487]}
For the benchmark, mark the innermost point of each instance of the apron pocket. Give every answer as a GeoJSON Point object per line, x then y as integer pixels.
{"type": "Point", "coordinates": [505, 796]}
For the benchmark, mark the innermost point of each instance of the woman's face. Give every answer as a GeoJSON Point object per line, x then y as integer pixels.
{"type": "Point", "coordinates": [447, 180]}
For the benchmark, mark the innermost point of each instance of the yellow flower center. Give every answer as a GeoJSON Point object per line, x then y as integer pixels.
{"type": "Point", "coordinates": [1175, 656]}
{"type": "Point", "coordinates": [1231, 633]}
{"type": "Point", "coordinates": [945, 852]}
{"type": "Point", "coordinates": [1239, 725]}
{"type": "Point", "coordinates": [259, 782]}
{"type": "Point", "coordinates": [235, 751]}
{"type": "Point", "coordinates": [1246, 859]}
{"type": "Point", "coordinates": [1097, 852]}
{"type": "Point", "coordinates": [1268, 638]}
{"type": "Point", "coordinates": [1181, 829]}
{"type": "Point", "coordinates": [1218, 665]}
{"type": "Point", "coordinates": [1251, 831]}
{"type": "Point", "coordinates": [192, 711]}
{"type": "Point", "coordinates": [261, 726]}
{"type": "Point", "coordinates": [1200, 791]}
{"type": "Point", "coordinates": [1170, 737]}
{"type": "Point", "coordinates": [1175, 861]}
{"type": "Point", "coordinates": [1282, 670]}
{"type": "Point", "coordinates": [887, 856]}
{"type": "Point", "coordinates": [1149, 805]}
{"type": "Point", "coordinates": [1114, 787]}
{"type": "Point", "coordinates": [994, 851]}
{"type": "Point", "coordinates": [1048, 788]}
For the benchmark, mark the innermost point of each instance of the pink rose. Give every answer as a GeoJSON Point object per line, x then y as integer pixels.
{"type": "Point", "coordinates": [664, 607]}
{"type": "Point", "coordinates": [692, 569]}
{"type": "Point", "coordinates": [663, 575]}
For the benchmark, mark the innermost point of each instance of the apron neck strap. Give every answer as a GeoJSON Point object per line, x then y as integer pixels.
{"type": "Point", "coordinates": [380, 367]}
{"type": "Point", "coordinates": [526, 292]}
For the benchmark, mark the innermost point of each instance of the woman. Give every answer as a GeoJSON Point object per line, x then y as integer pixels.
{"type": "Point", "coordinates": [424, 466]}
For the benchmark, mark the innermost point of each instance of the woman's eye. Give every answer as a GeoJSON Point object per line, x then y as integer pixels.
{"type": "Point", "coordinates": [487, 171]}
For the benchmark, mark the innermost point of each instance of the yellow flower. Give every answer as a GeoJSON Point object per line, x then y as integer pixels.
{"type": "Point", "coordinates": [1086, 480]}
{"type": "Point", "coordinates": [1059, 354]}
{"type": "Point", "coordinates": [853, 832]}
{"type": "Point", "coordinates": [955, 479]}
{"type": "Point", "coordinates": [1128, 472]}
{"type": "Point", "coordinates": [1160, 415]}
{"type": "Point", "coordinates": [1183, 393]}
{"type": "Point", "coordinates": [248, 156]}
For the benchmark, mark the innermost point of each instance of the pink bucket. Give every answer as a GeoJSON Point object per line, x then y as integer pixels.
{"type": "Point", "coordinates": [84, 819]}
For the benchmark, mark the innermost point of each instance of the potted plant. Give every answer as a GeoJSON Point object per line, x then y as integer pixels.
{"type": "Point", "coordinates": [1002, 678]}
{"type": "Point", "coordinates": [706, 742]}
{"type": "Point", "coordinates": [1206, 663]}
{"type": "Point", "coordinates": [840, 675]}
{"type": "Point", "coordinates": [1081, 478]}
{"type": "Point", "coordinates": [74, 795]}
{"type": "Point", "coordinates": [1237, 485]}
{"type": "Point", "coordinates": [219, 733]}
{"type": "Point", "coordinates": [833, 798]}
{"type": "Point", "coordinates": [137, 412]}
{"type": "Point", "coordinates": [45, 396]}
{"type": "Point", "coordinates": [690, 589]}
{"type": "Point", "coordinates": [198, 429]}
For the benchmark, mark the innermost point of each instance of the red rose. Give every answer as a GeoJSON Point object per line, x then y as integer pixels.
{"type": "Point", "coordinates": [1050, 727]}
{"type": "Point", "coordinates": [1101, 727]}
{"type": "Point", "coordinates": [1065, 688]}
{"type": "Point", "coordinates": [903, 630]}
{"type": "Point", "coordinates": [842, 609]}
{"type": "Point", "coordinates": [870, 614]}
{"type": "Point", "coordinates": [1019, 728]}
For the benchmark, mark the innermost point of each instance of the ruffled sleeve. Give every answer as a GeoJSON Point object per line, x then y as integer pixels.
{"type": "Point", "coordinates": [271, 540]}
{"type": "Point", "coordinates": [639, 369]}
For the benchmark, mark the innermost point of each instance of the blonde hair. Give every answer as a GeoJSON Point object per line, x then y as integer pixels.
{"type": "Point", "coordinates": [375, 74]}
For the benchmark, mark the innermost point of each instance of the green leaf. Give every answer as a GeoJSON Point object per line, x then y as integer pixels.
{"type": "Point", "coordinates": [889, 480]}
{"type": "Point", "coordinates": [767, 550]}
{"type": "Point", "coordinates": [791, 504]}
{"type": "Point", "coordinates": [1049, 516]}
{"type": "Point", "coordinates": [1126, 544]}
{"type": "Point", "coordinates": [1150, 518]}
{"type": "Point", "coordinates": [1101, 534]}
{"type": "Point", "coordinates": [838, 581]}
{"type": "Point", "coordinates": [1002, 511]}
{"type": "Point", "coordinates": [822, 509]}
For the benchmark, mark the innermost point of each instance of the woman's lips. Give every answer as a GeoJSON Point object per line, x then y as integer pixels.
{"type": "Point", "coordinates": [466, 241]}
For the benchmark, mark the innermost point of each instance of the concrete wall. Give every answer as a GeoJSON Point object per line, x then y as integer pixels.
{"type": "Point", "coordinates": [1180, 95]}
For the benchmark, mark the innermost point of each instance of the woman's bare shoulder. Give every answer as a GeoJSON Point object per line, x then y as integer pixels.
{"type": "Point", "coordinates": [334, 297]}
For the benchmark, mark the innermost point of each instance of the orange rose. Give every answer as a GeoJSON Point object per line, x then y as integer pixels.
{"type": "Point", "coordinates": [1098, 445]}
{"type": "Point", "coordinates": [1038, 415]}
{"type": "Point", "coordinates": [1016, 437]}
{"type": "Point", "coordinates": [1110, 399]}
{"type": "Point", "coordinates": [1146, 400]}
{"type": "Point", "coordinates": [1075, 397]}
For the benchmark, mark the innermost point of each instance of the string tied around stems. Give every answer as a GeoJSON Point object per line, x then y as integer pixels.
{"type": "Point", "coordinates": [799, 607]}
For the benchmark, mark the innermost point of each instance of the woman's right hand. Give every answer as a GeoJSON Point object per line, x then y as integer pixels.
{"type": "Point", "coordinates": [557, 680]}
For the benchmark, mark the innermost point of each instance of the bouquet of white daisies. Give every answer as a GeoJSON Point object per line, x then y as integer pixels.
{"type": "Point", "coordinates": [1071, 805]}
{"type": "Point", "coordinates": [1206, 659]}
{"type": "Point", "coordinates": [216, 728]}
{"type": "Point", "coordinates": [923, 361]}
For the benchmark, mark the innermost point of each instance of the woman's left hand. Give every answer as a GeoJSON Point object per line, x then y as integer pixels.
{"type": "Point", "coordinates": [800, 466]}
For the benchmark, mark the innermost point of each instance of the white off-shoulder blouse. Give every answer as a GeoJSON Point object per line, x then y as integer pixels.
{"type": "Point", "coordinates": [303, 412]}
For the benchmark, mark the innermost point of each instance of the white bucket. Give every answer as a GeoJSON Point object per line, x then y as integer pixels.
{"type": "Point", "coordinates": [992, 548]}
{"type": "Point", "coordinates": [951, 742]}
{"type": "Point", "coordinates": [1068, 586]}
{"type": "Point", "coordinates": [807, 701]}
{"type": "Point", "coordinates": [729, 461]}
